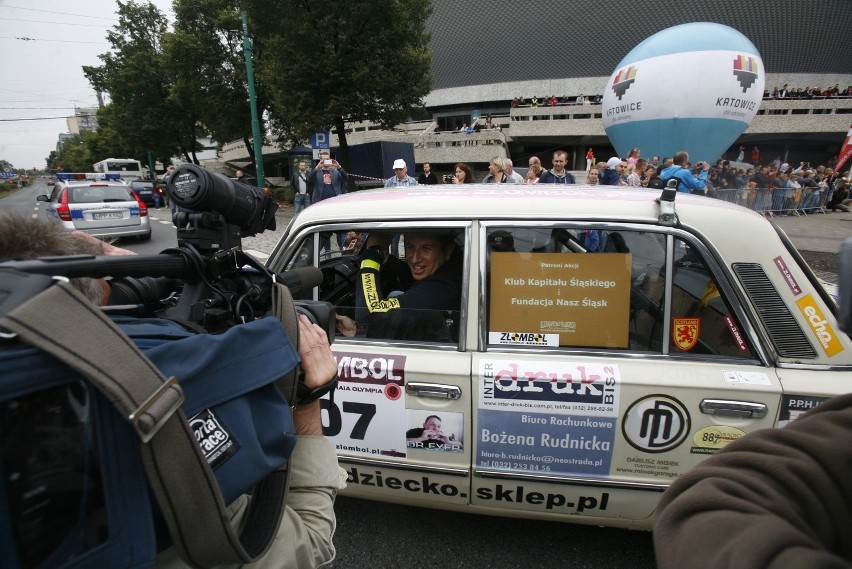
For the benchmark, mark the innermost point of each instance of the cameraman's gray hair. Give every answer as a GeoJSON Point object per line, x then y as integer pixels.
{"type": "Point", "coordinates": [23, 238]}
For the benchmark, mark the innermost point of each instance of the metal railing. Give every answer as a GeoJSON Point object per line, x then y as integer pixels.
{"type": "Point", "coordinates": [778, 201]}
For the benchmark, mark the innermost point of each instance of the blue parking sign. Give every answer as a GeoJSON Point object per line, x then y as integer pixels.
{"type": "Point", "coordinates": [320, 140]}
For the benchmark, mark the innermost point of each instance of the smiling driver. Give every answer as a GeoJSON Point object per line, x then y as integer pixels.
{"type": "Point", "coordinates": [419, 312]}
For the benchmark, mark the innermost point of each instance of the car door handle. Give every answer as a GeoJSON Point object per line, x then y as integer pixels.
{"type": "Point", "coordinates": [728, 408]}
{"type": "Point", "coordinates": [433, 390]}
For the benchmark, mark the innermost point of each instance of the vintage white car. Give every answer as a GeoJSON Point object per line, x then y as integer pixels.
{"type": "Point", "coordinates": [605, 341]}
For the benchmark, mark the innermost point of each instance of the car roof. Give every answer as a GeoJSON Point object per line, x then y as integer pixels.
{"type": "Point", "coordinates": [538, 201]}
{"type": "Point", "coordinates": [717, 220]}
{"type": "Point", "coordinates": [507, 200]}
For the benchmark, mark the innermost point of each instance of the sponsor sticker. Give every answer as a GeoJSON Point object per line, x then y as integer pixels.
{"type": "Point", "coordinates": [823, 331]}
{"type": "Point", "coordinates": [523, 339]}
{"type": "Point", "coordinates": [368, 406]}
{"type": "Point", "coordinates": [735, 333]}
{"type": "Point", "coordinates": [685, 332]}
{"type": "Point", "coordinates": [656, 423]}
{"type": "Point", "coordinates": [747, 377]}
{"type": "Point", "coordinates": [441, 431]}
{"type": "Point", "coordinates": [547, 417]}
{"type": "Point", "coordinates": [709, 440]}
{"type": "Point", "coordinates": [788, 277]}
{"type": "Point", "coordinates": [794, 406]}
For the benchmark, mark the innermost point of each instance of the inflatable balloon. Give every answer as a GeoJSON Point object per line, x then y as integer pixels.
{"type": "Point", "coordinates": [694, 87]}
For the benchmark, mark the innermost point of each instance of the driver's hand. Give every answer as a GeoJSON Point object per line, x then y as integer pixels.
{"type": "Point", "coordinates": [346, 325]}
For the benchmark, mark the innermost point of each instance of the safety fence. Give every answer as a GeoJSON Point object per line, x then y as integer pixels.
{"type": "Point", "coordinates": [778, 201]}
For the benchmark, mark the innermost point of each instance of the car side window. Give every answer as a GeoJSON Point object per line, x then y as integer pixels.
{"type": "Point", "coordinates": [595, 288]}
{"type": "Point", "coordinates": [702, 321]}
{"type": "Point", "coordinates": [564, 287]}
{"type": "Point", "coordinates": [388, 300]}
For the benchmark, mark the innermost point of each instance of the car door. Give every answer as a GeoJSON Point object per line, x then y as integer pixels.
{"type": "Point", "coordinates": [614, 357]}
{"type": "Point", "coordinates": [814, 356]}
{"type": "Point", "coordinates": [392, 391]}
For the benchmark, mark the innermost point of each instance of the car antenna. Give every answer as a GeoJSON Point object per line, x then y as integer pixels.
{"type": "Point", "coordinates": [668, 216]}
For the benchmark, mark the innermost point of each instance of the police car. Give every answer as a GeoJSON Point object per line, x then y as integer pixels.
{"type": "Point", "coordinates": [98, 204]}
{"type": "Point", "coordinates": [605, 343]}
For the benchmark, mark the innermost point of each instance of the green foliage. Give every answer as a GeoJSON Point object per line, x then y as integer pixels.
{"type": "Point", "coordinates": [282, 194]}
{"type": "Point", "coordinates": [317, 65]}
{"type": "Point", "coordinates": [139, 118]}
{"type": "Point", "coordinates": [76, 154]}
{"type": "Point", "coordinates": [324, 63]}
{"type": "Point", "coordinates": [204, 56]}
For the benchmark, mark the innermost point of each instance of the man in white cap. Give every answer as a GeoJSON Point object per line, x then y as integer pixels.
{"type": "Point", "coordinates": [400, 175]}
{"type": "Point", "coordinates": [399, 179]}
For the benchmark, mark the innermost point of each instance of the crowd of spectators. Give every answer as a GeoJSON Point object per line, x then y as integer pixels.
{"type": "Point", "coordinates": [764, 185]}
{"type": "Point", "coordinates": [554, 101]}
{"type": "Point", "coordinates": [767, 186]}
{"type": "Point", "coordinates": [786, 92]}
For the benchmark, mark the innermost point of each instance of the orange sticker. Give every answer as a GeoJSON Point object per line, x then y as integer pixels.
{"type": "Point", "coordinates": [685, 332]}
{"type": "Point", "coordinates": [820, 326]}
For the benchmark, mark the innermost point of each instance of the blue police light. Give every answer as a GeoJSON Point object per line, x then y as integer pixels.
{"type": "Point", "coordinates": [72, 176]}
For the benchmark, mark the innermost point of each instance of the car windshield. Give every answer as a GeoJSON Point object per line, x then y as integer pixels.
{"type": "Point", "coordinates": [97, 194]}
{"type": "Point", "coordinates": [141, 185]}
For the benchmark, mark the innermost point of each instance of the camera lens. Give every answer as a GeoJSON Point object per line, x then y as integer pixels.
{"type": "Point", "coordinates": [197, 189]}
{"type": "Point", "coordinates": [319, 312]}
{"type": "Point", "coordinates": [145, 291]}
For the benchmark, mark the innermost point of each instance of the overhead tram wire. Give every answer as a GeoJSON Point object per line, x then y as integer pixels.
{"type": "Point", "coordinates": [60, 13]}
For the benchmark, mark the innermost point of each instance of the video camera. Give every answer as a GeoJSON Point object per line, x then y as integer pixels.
{"type": "Point", "coordinates": [207, 280]}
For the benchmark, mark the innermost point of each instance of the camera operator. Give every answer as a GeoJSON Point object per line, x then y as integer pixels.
{"type": "Point", "coordinates": [304, 537]}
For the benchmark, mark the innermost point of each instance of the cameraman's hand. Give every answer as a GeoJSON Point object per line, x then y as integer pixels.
{"type": "Point", "coordinates": [319, 368]}
{"type": "Point", "coordinates": [318, 362]}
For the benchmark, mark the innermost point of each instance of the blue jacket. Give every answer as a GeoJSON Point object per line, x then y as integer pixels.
{"type": "Point", "coordinates": [609, 177]}
{"type": "Point", "coordinates": [687, 183]}
{"type": "Point", "coordinates": [394, 182]}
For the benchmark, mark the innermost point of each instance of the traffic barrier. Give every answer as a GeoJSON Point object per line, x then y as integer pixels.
{"type": "Point", "coordinates": [778, 201]}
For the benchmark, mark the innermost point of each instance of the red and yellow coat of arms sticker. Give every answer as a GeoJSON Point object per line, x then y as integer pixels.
{"type": "Point", "coordinates": [685, 332]}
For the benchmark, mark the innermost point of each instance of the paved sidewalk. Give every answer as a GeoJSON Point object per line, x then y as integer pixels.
{"type": "Point", "coordinates": [817, 231]}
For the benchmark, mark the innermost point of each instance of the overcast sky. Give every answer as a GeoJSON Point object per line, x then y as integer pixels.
{"type": "Point", "coordinates": [41, 76]}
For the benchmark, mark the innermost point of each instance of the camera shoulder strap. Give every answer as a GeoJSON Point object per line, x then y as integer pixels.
{"type": "Point", "coordinates": [179, 476]}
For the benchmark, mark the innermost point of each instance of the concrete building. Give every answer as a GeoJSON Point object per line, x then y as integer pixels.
{"type": "Point", "coordinates": [84, 119]}
{"type": "Point", "coordinates": [484, 54]}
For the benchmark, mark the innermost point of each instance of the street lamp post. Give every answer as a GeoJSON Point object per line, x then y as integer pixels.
{"type": "Point", "coordinates": [255, 122]}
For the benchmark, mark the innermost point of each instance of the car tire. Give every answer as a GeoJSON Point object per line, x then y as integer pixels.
{"type": "Point", "coordinates": [145, 237]}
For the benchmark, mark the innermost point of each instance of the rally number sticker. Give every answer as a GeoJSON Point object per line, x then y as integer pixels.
{"type": "Point", "coordinates": [368, 405]}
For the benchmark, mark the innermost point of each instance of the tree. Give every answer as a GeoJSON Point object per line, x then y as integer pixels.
{"type": "Point", "coordinates": [325, 63]}
{"type": "Point", "coordinates": [204, 57]}
{"type": "Point", "coordinates": [75, 154]}
{"type": "Point", "coordinates": [132, 74]}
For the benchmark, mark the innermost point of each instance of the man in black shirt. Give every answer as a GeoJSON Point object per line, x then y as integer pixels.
{"type": "Point", "coordinates": [427, 177]}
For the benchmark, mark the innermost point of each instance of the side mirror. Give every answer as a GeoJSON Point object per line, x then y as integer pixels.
{"type": "Point", "coordinates": [42, 198]}
{"type": "Point", "coordinates": [844, 312]}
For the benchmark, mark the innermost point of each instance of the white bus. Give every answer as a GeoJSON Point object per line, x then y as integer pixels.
{"type": "Point", "coordinates": [128, 168]}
